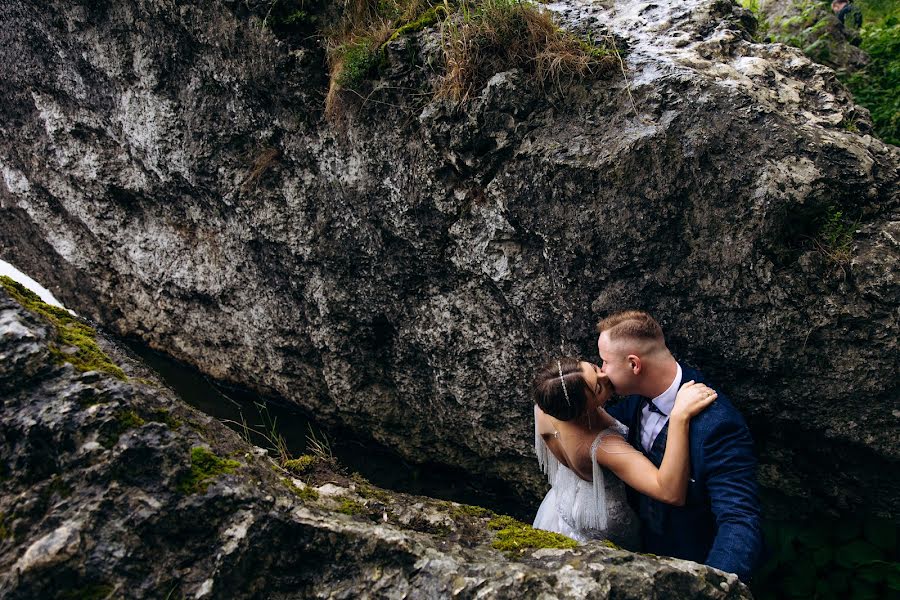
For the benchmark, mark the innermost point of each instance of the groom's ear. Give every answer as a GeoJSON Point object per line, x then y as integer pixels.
{"type": "Point", "coordinates": [634, 362]}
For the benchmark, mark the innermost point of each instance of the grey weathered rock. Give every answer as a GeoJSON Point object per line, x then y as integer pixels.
{"type": "Point", "coordinates": [401, 270]}
{"type": "Point", "coordinates": [94, 505]}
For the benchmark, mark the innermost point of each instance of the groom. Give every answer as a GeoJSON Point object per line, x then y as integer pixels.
{"type": "Point", "coordinates": [719, 523]}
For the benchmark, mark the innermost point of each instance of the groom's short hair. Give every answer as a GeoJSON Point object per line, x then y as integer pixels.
{"type": "Point", "coordinates": [631, 324]}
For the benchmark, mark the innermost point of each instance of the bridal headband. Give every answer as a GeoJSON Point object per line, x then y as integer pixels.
{"type": "Point", "coordinates": [563, 382]}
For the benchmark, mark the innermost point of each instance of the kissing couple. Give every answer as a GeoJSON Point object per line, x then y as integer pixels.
{"type": "Point", "coordinates": [681, 448]}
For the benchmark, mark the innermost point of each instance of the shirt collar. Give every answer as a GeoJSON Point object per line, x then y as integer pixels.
{"type": "Point", "coordinates": [666, 401]}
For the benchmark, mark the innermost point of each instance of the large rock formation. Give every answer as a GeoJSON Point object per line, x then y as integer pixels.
{"type": "Point", "coordinates": [400, 270]}
{"type": "Point", "coordinates": [112, 488]}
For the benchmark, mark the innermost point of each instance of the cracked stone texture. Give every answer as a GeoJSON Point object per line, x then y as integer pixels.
{"type": "Point", "coordinates": [91, 507]}
{"type": "Point", "coordinates": [400, 270]}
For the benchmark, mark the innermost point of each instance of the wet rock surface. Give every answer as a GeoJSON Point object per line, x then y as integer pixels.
{"type": "Point", "coordinates": [400, 270]}
{"type": "Point", "coordinates": [108, 490]}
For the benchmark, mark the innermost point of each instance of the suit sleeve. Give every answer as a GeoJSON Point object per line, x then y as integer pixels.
{"type": "Point", "coordinates": [732, 487]}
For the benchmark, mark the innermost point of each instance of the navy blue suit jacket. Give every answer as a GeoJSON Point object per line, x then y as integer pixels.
{"type": "Point", "coordinates": [719, 525]}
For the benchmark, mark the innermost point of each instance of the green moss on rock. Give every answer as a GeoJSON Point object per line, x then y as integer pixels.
{"type": "Point", "coordinates": [467, 510]}
{"type": "Point", "coordinates": [426, 19]}
{"type": "Point", "coordinates": [161, 415]}
{"type": "Point", "coordinates": [76, 342]}
{"type": "Point", "coordinates": [306, 494]}
{"type": "Point", "coordinates": [205, 466]}
{"type": "Point", "coordinates": [301, 465]}
{"type": "Point", "coordinates": [515, 537]}
{"type": "Point", "coordinates": [124, 420]}
{"type": "Point", "coordinates": [349, 506]}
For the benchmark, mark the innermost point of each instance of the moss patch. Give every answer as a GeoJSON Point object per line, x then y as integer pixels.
{"type": "Point", "coordinates": [426, 19]}
{"type": "Point", "coordinates": [306, 494]}
{"type": "Point", "coordinates": [349, 506]}
{"type": "Point", "coordinates": [76, 342]}
{"type": "Point", "coordinates": [367, 490]}
{"type": "Point", "coordinates": [301, 465]}
{"type": "Point", "coordinates": [515, 537]}
{"type": "Point", "coordinates": [460, 511]}
{"type": "Point", "coordinates": [205, 466]}
{"type": "Point", "coordinates": [161, 415]}
{"type": "Point", "coordinates": [124, 420]}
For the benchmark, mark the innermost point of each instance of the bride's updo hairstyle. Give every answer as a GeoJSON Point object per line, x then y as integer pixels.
{"type": "Point", "coordinates": [548, 392]}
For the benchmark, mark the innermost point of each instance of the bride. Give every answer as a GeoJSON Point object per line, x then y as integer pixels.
{"type": "Point", "coordinates": [584, 452]}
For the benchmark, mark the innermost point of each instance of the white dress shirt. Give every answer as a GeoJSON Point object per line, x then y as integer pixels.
{"type": "Point", "coordinates": [651, 422]}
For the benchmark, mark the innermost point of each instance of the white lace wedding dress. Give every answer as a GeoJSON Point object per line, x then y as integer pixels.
{"type": "Point", "coordinates": [584, 510]}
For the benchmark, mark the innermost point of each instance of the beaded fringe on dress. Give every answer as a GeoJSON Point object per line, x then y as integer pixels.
{"type": "Point", "coordinates": [596, 516]}
{"type": "Point", "coordinates": [601, 515]}
{"type": "Point", "coordinates": [548, 463]}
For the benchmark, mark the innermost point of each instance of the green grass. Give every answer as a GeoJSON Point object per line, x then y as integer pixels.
{"type": "Point", "coordinates": [836, 235]}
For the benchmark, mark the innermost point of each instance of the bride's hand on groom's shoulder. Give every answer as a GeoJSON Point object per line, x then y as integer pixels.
{"type": "Point", "coordinates": [692, 399]}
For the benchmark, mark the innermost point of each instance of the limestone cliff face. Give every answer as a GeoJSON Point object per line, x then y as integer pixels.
{"type": "Point", "coordinates": [112, 488]}
{"type": "Point", "coordinates": [400, 271]}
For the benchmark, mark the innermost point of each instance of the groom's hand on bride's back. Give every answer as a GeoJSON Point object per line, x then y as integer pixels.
{"type": "Point", "coordinates": [692, 399]}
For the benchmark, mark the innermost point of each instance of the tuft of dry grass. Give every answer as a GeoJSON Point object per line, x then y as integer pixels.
{"type": "Point", "coordinates": [479, 37]}
{"type": "Point", "coordinates": [261, 164]}
{"type": "Point", "coordinates": [494, 35]}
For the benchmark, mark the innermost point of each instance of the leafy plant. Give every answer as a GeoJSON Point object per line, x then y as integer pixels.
{"type": "Point", "coordinates": [822, 559]}
{"type": "Point", "coordinates": [877, 87]}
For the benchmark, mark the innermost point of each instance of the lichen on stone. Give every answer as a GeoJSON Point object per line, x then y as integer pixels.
{"type": "Point", "coordinates": [205, 466]}
{"type": "Point", "coordinates": [71, 333]}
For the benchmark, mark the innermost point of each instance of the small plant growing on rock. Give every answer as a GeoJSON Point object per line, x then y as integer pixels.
{"type": "Point", "coordinates": [836, 236]}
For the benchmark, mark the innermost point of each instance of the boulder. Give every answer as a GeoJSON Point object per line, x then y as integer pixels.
{"type": "Point", "coordinates": [400, 269]}
{"type": "Point", "coordinates": [113, 488]}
